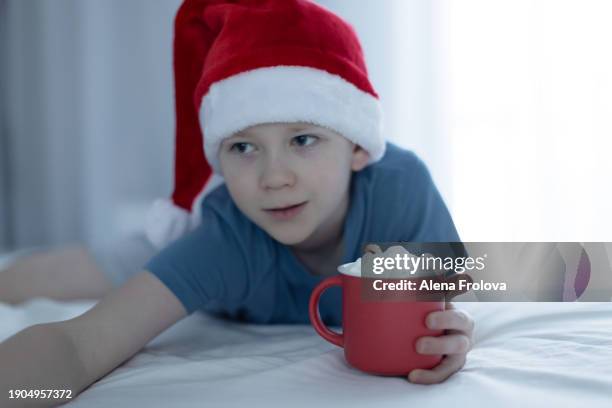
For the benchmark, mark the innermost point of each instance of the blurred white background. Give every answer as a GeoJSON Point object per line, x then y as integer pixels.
{"type": "Point", "coordinates": [509, 102]}
{"type": "Point", "coordinates": [527, 95]}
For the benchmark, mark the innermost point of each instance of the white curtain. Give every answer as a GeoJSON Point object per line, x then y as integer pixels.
{"type": "Point", "coordinates": [89, 116]}
{"type": "Point", "coordinates": [527, 110]}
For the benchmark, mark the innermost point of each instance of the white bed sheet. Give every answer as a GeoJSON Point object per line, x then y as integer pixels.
{"type": "Point", "coordinates": [532, 354]}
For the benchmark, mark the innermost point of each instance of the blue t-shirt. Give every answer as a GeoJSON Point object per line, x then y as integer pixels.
{"type": "Point", "coordinates": [231, 267]}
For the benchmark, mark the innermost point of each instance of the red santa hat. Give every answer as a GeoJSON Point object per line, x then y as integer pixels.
{"type": "Point", "coordinates": [239, 63]}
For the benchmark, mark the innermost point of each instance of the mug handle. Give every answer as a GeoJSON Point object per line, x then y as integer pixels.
{"type": "Point", "coordinates": [315, 317]}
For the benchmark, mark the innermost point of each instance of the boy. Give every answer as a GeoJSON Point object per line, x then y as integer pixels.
{"type": "Point", "coordinates": [293, 125]}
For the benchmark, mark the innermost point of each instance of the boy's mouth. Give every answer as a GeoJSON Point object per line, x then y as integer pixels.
{"type": "Point", "coordinates": [285, 212]}
{"type": "Point", "coordinates": [287, 207]}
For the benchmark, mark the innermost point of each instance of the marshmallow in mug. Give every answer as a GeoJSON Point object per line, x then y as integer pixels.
{"type": "Point", "coordinates": [412, 264]}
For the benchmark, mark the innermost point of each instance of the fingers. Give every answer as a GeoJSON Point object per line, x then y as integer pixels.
{"type": "Point", "coordinates": [447, 344]}
{"type": "Point", "coordinates": [454, 344]}
{"type": "Point", "coordinates": [459, 329]}
{"type": "Point", "coordinates": [450, 319]}
{"type": "Point", "coordinates": [448, 366]}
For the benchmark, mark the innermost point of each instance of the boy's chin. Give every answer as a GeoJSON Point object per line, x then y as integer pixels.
{"type": "Point", "coordinates": [288, 237]}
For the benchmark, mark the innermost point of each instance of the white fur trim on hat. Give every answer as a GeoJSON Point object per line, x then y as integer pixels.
{"type": "Point", "coordinates": [290, 94]}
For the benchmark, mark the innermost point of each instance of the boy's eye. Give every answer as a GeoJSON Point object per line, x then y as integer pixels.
{"type": "Point", "coordinates": [302, 140]}
{"type": "Point", "coordinates": [241, 147]}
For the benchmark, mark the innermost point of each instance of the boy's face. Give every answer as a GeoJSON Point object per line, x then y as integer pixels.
{"type": "Point", "coordinates": [272, 166]}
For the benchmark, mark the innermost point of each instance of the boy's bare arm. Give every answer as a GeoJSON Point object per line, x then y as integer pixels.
{"type": "Point", "coordinates": [73, 354]}
{"type": "Point", "coordinates": [63, 274]}
{"type": "Point", "coordinates": [40, 357]}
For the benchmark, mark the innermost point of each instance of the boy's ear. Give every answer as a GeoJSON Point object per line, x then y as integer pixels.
{"type": "Point", "coordinates": [360, 158]}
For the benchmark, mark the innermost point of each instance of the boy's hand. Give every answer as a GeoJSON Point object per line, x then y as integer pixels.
{"type": "Point", "coordinates": [454, 344]}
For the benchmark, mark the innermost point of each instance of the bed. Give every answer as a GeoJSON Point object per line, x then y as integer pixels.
{"type": "Point", "coordinates": [527, 354]}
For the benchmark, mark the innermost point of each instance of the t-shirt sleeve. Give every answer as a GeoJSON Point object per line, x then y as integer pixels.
{"type": "Point", "coordinates": [415, 210]}
{"type": "Point", "coordinates": [204, 267]}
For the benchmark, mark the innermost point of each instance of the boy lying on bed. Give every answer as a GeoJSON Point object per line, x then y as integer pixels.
{"type": "Point", "coordinates": [292, 124]}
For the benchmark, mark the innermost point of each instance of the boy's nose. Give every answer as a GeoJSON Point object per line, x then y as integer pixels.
{"type": "Point", "coordinates": [276, 173]}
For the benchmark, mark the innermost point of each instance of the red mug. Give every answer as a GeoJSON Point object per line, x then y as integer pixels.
{"type": "Point", "coordinates": [378, 336]}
